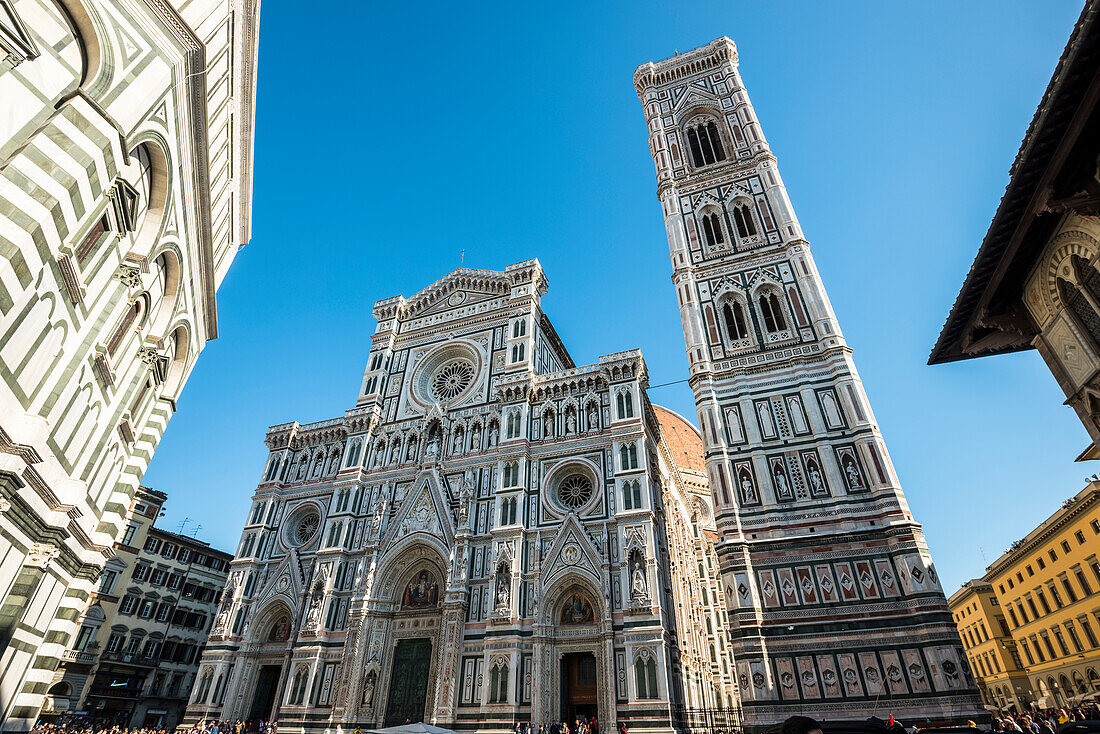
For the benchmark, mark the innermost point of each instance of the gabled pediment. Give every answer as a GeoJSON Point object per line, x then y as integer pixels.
{"type": "Point", "coordinates": [572, 551]}
{"type": "Point", "coordinates": [459, 284]}
{"type": "Point", "coordinates": [285, 582]}
{"type": "Point", "coordinates": [424, 510]}
{"type": "Point", "coordinates": [738, 191]}
{"type": "Point", "coordinates": [696, 94]}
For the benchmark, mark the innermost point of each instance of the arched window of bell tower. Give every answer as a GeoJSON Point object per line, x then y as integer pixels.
{"type": "Point", "coordinates": [735, 320]}
{"type": "Point", "coordinates": [714, 231]}
{"type": "Point", "coordinates": [704, 142]}
{"type": "Point", "coordinates": [743, 219]}
{"type": "Point", "coordinates": [772, 313]}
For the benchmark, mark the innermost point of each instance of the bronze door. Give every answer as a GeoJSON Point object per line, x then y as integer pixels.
{"type": "Point", "coordinates": [409, 682]}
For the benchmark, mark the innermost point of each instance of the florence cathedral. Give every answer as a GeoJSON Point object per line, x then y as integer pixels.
{"type": "Point", "coordinates": [493, 534]}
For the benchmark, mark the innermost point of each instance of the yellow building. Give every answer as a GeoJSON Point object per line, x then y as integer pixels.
{"type": "Point", "coordinates": [1046, 589]}
{"type": "Point", "coordinates": [989, 646]}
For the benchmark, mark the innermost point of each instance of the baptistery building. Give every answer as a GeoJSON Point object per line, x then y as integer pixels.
{"type": "Point", "coordinates": [492, 534]}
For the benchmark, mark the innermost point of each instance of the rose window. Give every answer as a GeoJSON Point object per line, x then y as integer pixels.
{"type": "Point", "coordinates": [575, 491]}
{"type": "Point", "coordinates": [452, 379]}
{"type": "Point", "coordinates": [306, 528]}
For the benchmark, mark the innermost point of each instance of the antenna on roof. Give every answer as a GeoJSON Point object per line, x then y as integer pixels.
{"type": "Point", "coordinates": [462, 257]}
{"type": "Point", "coordinates": [182, 525]}
{"type": "Point", "coordinates": [195, 532]}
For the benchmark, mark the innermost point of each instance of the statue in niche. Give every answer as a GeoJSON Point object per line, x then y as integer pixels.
{"type": "Point", "coordinates": [334, 463]}
{"type": "Point", "coordinates": [318, 464]}
{"type": "Point", "coordinates": [475, 439]}
{"type": "Point", "coordinates": [368, 689]}
{"type": "Point", "coordinates": [303, 466]}
{"type": "Point", "coordinates": [815, 480]}
{"type": "Point", "coordinates": [570, 423]}
{"type": "Point", "coordinates": [465, 498]}
{"type": "Point", "coordinates": [593, 417]}
{"type": "Point", "coordinates": [410, 449]}
{"type": "Point", "coordinates": [853, 473]}
{"type": "Point", "coordinates": [502, 591]}
{"type": "Point", "coordinates": [548, 425]}
{"type": "Point", "coordinates": [395, 452]}
{"type": "Point", "coordinates": [376, 521]}
{"type": "Point", "coordinates": [456, 447]}
{"type": "Point", "coordinates": [422, 592]}
{"type": "Point", "coordinates": [638, 588]}
{"type": "Point", "coordinates": [577, 610]}
{"type": "Point", "coordinates": [223, 616]}
{"type": "Point", "coordinates": [747, 489]}
{"type": "Point", "coordinates": [313, 615]}
{"type": "Point", "coordinates": [782, 489]}
{"type": "Point", "coordinates": [494, 434]}
{"type": "Point", "coordinates": [433, 444]}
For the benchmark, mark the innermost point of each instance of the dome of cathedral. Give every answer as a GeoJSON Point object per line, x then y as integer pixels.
{"type": "Point", "coordinates": [683, 439]}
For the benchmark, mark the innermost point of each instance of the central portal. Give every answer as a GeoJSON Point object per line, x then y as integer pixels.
{"type": "Point", "coordinates": [578, 687]}
{"type": "Point", "coordinates": [409, 682]}
{"type": "Point", "coordinates": [264, 698]}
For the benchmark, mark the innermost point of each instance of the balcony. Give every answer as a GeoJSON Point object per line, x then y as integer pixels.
{"type": "Point", "coordinates": [79, 657]}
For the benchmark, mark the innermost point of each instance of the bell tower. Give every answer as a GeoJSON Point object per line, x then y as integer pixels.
{"type": "Point", "coordinates": [834, 601]}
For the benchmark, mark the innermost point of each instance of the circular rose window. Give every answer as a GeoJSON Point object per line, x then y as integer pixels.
{"type": "Point", "coordinates": [447, 375]}
{"type": "Point", "coordinates": [451, 379]}
{"type": "Point", "coordinates": [302, 527]}
{"type": "Point", "coordinates": [574, 491]}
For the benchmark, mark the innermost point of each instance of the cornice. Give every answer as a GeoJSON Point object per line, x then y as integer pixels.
{"type": "Point", "coordinates": [1053, 525]}
{"type": "Point", "coordinates": [681, 66]}
{"type": "Point", "coordinates": [194, 132]}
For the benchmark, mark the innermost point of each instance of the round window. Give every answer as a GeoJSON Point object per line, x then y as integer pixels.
{"type": "Point", "coordinates": [447, 375]}
{"type": "Point", "coordinates": [574, 491]}
{"type": "Point", "coordinates": [302, 528]}
{"type": "Point", "coordinates": [451, 379]}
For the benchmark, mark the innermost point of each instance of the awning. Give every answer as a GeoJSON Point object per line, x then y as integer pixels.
{"type": "Point", "coordinates": [418, 728]}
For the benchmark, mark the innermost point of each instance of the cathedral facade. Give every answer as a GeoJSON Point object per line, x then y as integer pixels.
{"type": "Point", "coordinates": [492, 534]}
{"type": "Point", "coordinates": [834, 603]}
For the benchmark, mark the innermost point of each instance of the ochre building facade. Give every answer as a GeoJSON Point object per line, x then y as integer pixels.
{"type": "Point", "coordinates": [1047, 592]}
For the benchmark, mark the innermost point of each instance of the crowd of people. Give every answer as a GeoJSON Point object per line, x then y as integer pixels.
{"type": "Point", "coordinates": [83, 726]}
{"type": "Point", "coordinates": [580, 725]}
{"type": "Point", "coordinates": [1045, 721]}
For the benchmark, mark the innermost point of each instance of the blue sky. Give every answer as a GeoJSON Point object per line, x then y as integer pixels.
{"type": "Point", "coordinates": [391, 137]}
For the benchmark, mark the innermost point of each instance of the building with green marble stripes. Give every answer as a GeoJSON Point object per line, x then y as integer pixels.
{"type": "Point", "coordinates": [125, 190]}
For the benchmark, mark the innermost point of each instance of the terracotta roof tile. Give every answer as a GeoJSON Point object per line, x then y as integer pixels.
{"type": "Point", "coordinates": [683, 439]}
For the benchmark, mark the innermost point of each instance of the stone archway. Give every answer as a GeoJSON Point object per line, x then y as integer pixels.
{"type": "Point", "coordinates": [260, 670]}
{"type": "Point", "coordinates": [398, 648]}
{"type": "Point", "coordinates": [573, 631]}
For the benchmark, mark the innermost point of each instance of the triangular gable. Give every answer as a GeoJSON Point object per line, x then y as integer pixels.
{"type": "Point", "coordinates": [696, 95]}
{"type": "Point", "coordinates": [286, 582]}
{"type": "Point", "coordinates": [737, 190]}
{"type": "Point", "coordinates": [424, 510]}
{"type": "Point", "coordinates": [457, 299]}
{"type": "Point", "coordinates": [571, 551]}
{"type": "Point", "coordinates": [482, 282]}
{"type": "Point", "coordinates": [706, 198]}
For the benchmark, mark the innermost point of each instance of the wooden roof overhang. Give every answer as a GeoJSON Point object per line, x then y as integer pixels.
{"type": "Point", "coordinates": [1054, 172]}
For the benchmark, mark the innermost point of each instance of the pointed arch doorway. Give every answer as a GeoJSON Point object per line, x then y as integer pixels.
{"type": "Point", "coordinates": [572, 648]}
{"type": "Point", "coordinates": [579, 699]}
